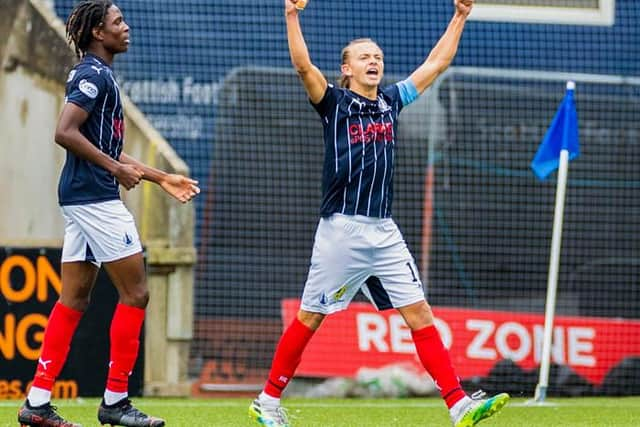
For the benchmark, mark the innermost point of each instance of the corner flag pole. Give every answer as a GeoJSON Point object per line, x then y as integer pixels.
{"type": "Point", "coordinates": [554, 266]}
{"type": "Point", "coordinates": [552, 282]}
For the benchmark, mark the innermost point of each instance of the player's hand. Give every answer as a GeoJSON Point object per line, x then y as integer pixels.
{"type": "Point", "coordinates": [128, 175]}
{"type": "Point", "coordinates": [463, 7]}
{"type": "Point", "coordinates": [290, 7]}
{"type": "Point", "coordinates": [180, 187]}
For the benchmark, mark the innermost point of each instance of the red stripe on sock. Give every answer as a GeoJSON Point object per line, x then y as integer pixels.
{"type": "Point", "coordinates": [435, 359]}
{"type": "Point", "coordinates": [125, 342]}
{"type": "Point", "coordinates": [287, 357]}
{"type": "Point", "coordinates": [61, 326]}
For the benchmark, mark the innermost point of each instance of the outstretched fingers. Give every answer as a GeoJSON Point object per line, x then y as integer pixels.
{"type": "Point", "coordinates": [180, 187]}
{"type": "Point", "coordinates": [191, 190]}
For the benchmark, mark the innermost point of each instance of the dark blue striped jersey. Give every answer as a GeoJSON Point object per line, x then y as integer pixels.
{"type": "Point", "coordinates": [92, 86]}
{"type": "Point", "coordinates": [360, 142]}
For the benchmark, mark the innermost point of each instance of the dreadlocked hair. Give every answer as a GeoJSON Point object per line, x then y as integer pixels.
{"type": "Point", "coordinates": [87, 15]}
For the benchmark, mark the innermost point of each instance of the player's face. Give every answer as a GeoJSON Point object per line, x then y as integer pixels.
{"type": "Point", "coordinates": [115, 31]}
{"type": "Point", "coordinates": [365, 65]}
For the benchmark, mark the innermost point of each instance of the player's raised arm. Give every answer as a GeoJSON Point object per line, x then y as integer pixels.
{"type": "Point", "coordinates": [314, 82]}
{"type": "Point", "coordinates": [445, 50]}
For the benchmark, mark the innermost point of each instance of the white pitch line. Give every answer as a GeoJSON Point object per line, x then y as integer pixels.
{"type": "Point", "coordinates": [293, 405]}
{"type": "Point", "coordinates": [203, 404]}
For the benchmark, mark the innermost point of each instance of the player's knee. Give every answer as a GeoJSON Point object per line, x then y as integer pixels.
{"type": "Point", "coordinates": [311, 320]}
{"type": "Point", "coordinates": [426, 310]}
{"type": "Point", "coordinates": [141, 299]}
{"type": "Point", "coordinates": [78, 303]}
{"type": "Point", "coordinates": [417, 316]}
{"type": "Point", "coordinates": [138, 297]}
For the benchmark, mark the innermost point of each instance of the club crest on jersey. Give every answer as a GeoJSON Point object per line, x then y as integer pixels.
{"type": "Point", "coordinates": [88, 88]}
{"type": "Point", "coordinates": [72, 74]}
{"type": "Point", "coordinates": [382, 104]}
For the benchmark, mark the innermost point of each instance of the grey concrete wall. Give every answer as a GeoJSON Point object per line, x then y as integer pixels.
{"type": "Point", "coordinates": [34, 62]}
{"type": "Point", "coordinates": [34, 59]}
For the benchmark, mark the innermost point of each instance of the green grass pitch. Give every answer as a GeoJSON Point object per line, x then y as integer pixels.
{"type": "Point", "coordinates": [578, 412]}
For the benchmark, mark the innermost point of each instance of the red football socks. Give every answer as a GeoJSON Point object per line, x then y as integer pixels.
{"type": "Point", "coordinates": [61, 326]}
{"type": "Point", "coordinates": [125, 341]}
{"type": "Point", "coordinates": [435, 359]}
{"type": "Point", "coordinates": [287, 357]}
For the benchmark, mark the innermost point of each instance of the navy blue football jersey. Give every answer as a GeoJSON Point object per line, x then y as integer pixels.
{"type": "Point", "coordinates": [92, 86]}
{"type": "Point", "coordinates": [360, 142]}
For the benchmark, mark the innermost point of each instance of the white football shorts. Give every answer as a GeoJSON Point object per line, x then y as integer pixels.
{"type": "Point", "coordinates": [358, 252]}
{"type": "Point", "coordinates": [99, 232]}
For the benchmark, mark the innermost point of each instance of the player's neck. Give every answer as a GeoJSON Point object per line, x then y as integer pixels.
{"type": "Point", "coordinates": [102, 53]}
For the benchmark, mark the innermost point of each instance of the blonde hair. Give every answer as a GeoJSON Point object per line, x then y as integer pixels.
{"type": "Point", "coordinates": [344, 81]}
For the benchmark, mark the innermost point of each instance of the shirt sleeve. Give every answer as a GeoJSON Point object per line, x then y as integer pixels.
{"type": "Point", "coordinates": [85, 88]}
{"type": "Point", "coordinates": [408, 91]}
{"type": "Point", "coordinates": [328, 101]}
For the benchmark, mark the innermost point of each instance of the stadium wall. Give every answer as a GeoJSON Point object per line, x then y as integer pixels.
{"type": "Point", "coordinates": [35, 61]}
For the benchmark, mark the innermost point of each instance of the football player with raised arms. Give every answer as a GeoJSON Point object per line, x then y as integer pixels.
{"type": "Point", "coordinates": [99, 230]}
{"type": "Point", "coordinates": [357, 243]}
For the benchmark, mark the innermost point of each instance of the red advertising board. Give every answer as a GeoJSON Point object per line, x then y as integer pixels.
{"type": "Point", "coordinates": [477, 339]}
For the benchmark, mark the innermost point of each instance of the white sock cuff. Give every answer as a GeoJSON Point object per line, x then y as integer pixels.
{"type": "Point", "coordinates": [38, 396]}
{"type": "Point", "coordinates": [267, 400]}
{"type": "Point", "coordinates": [112, 397]}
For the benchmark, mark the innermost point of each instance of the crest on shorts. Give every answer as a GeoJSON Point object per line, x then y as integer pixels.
{"type": "Point", "coordinates": [323, 299]}
{"type": "Point", "coordinates": [128, 240]}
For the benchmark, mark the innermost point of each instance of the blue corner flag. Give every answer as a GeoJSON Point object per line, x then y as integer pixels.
{"type": "Point", "coordinates": [562, 134]}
